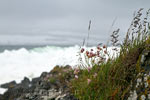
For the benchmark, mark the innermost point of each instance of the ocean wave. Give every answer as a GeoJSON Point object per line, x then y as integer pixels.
{"type": "Point", "coordinates": [15, 64]}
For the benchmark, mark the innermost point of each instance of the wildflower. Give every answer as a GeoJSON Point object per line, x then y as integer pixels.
{"type": "Point", "coordinates": [89, 68]}
{"type": "Point", "coordinates": [104, 46]}
{"type": "Point", "coordinates": [99, 48]}
{"type": "Point", "coordinates": [76, 71]}
{"type": "Point", "coordinates": [82, 50]}
{"type": "Point", "coordinates": [90, 54]}
{"type": "Point", "coordinates": [87, 52]}
{"type": "Point", "coordinates": [93, 55]}
{"type": "Point", "coordinates": [105, 52]}
{"type": "Point", "coordinates": [95, 74]}
{"type": "Point", "coordinates": [89, 81]}
{"type": "Point", "coordinates": [76, 76]}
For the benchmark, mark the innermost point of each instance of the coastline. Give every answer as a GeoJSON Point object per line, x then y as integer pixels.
{"type": "Point", "coordinates": [50, 85]}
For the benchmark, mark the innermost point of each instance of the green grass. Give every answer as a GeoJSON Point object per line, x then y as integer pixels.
{"type": "Point", "coordinates": [110, 80]}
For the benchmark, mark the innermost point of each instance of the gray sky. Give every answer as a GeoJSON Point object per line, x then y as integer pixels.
{"type": "Point", "coordinates": [63, 22]}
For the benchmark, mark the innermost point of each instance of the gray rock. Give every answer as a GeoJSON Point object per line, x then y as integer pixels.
{"type": "Point", "coordinates": [25, 83]}
{"type": "Point", "coordinates": [140, 88]}
{"type": "Point", "coordinates": [35, 80]}
{"type": "Point", "coordinates": [41, 88]}
{"type": "Point", "coordinates": [145, 60]}
{"type": "Point", "coordinates": [9, 85]}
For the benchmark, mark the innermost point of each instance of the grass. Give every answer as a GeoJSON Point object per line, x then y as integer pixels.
{"type": "Point", "coordinates": [99, 79]}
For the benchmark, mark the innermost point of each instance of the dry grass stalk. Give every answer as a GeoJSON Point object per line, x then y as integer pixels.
{"type": "Point", "coordinates": [89, 28]}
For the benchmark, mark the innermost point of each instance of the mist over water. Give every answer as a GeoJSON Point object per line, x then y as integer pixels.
{"type": "Point", "coordinates": [66, 39]}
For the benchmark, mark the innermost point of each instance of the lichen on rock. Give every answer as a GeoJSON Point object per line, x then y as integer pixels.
{"type": "Point", "coordinates": [140, 87]}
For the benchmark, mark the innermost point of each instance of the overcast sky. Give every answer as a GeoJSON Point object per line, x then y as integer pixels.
{"type": "Point", "coordinates": [63, 22]}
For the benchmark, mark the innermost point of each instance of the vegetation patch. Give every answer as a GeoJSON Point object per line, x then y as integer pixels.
{"type": "Point", "coordinates": [100, 76]}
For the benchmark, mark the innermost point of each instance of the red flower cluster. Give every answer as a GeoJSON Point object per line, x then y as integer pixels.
{"type": "Point", "coordinates": [76, 71]}
{"type": "Point", "coordinates": [82, 50]}
{"type": "Point", "coordinates": [99, 48]}
{"type": "Point", "coordinates": [99, 55]}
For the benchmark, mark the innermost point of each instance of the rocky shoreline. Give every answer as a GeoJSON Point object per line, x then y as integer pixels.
{"type": "Point", "coordinates": [55, 85]}
{"type": "Point", "coordinates": [51, 85]}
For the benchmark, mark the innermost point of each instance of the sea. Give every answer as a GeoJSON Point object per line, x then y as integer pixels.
{"type": "Point", "coordinates": [19, 61]}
